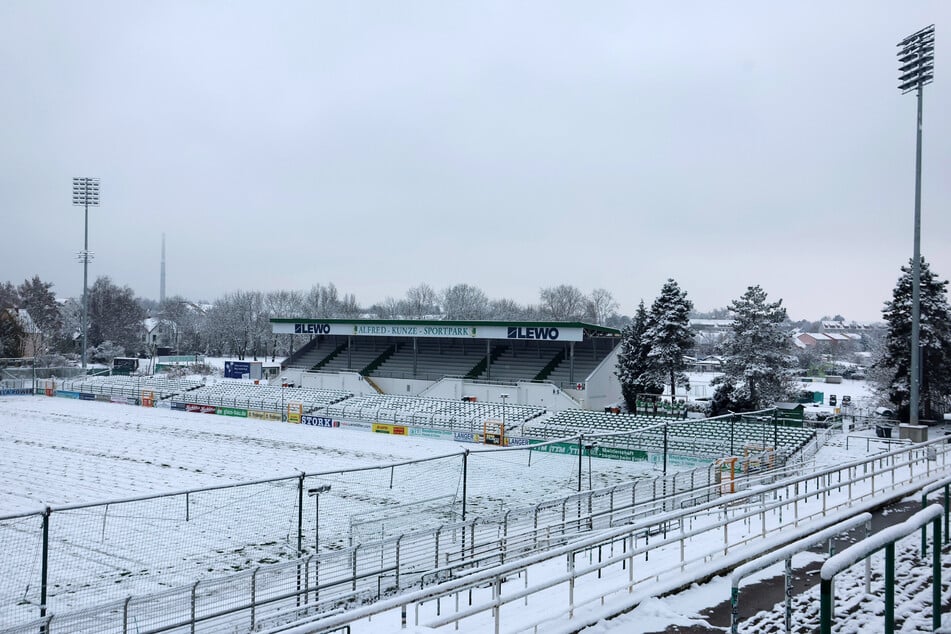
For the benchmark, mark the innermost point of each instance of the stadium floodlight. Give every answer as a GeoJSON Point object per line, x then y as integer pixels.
{"type": "Point", "coordinates": [85, 193]}
{"type": "Point", "coordinates": [915, 71]}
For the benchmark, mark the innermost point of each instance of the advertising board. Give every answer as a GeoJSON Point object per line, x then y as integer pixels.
{"type": "Point", "coordinates": [383, 428]}
{"type": "Point", "coordinates": [231, 411]}
{"type": "Point", "coordinates": [319, 421]}
{"type": "Point", "coordinates": [253, 413]}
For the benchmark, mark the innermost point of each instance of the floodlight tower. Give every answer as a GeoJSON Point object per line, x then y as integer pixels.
{"type": "Point", "coordinates": [85, 193]}
{"type": "Point", "coordinates": [915, 71]}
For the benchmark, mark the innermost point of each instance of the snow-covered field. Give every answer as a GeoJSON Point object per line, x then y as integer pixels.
{"type": "Point", "coordinates": [63, 452]}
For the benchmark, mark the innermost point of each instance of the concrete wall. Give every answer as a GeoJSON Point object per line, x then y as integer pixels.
{"type": "Point", "coordinates": [523, 393]}
{"type": "Point", "coordinates": [402, 387]}
{"type": "Point", "coordinates": [602, 387]}
{"type": "Point", "coordinates": [350, 381]}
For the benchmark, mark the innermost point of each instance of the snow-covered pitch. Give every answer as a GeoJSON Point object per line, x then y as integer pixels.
{"type": "Point", "coordinates": [73, 455]}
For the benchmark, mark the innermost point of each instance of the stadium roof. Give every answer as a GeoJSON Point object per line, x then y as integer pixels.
{"type": "Point", "coordinates": [479, 329]}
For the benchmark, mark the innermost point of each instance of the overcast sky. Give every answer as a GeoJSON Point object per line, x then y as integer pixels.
{"type": "Point", "coordinates": [510, 145]}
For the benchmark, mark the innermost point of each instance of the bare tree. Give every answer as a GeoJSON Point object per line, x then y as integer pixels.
{"type": "Point", "coordinates": [463, 301]}
{"type": "Point", "coordinates": [322, 301]}
{"type": "Point", "coordinates": [563, 302]}
{"type": "Point", "coordinates": [601, 306]}
{"type": "Point", "coordinates": [348, 308]}
{"type": "Point", "coordinates": [421, 301]}
{"type": "Point", "coordinates": [283, 304]}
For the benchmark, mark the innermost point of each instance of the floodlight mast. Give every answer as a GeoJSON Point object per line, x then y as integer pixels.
{"type": "Point", "coordinates": [85, 193]}
{"type": "Point", "coordinates": [915, 71]}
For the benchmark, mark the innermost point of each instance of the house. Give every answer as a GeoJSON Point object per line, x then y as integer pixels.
{"type": "Point", "coordinates": [19, 334]}
{"type": "Point", "coordinates": [711, 363]}
{"type": "Point", "coordinates": [159, 333]}
{"type": "Point", "coordinates": [826, 339]}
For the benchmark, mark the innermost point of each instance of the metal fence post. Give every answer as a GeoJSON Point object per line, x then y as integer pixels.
{"type": "Point", "coordinates": [465, 479]}
{"type": "Point", "coordinates": [300, 513]}
{"type": "Point", "coordinates": [580, 454]}
{"type": "Point", "coordinates": [397, 581]}
{"type": "Point", "coordinates": [254, 584]}
{"type": "Point", "coordinates": [936, 576]}
{"type": "Point", "coordinates": [44, 569]}
{"type": "Point", "coordinates": [890, 588]}
{"type": "Point", "coordinates": [947, 511]}
{"type": "Point", "coordinates": [825, 606]}
{"type": "Point", "coordinates": [300, 527]}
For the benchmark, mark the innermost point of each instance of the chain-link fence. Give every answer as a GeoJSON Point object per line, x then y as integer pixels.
{"type": "Point", "coordinates": [65, 557]}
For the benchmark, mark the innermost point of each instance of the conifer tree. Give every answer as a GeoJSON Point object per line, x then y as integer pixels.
{"type": "Point", "coordinates": [633, 369]}
{"type": "Point", "coordinates": [935, 342]}
{"type": "Point", "coordinates": [669, 336]}
{"type": "Point", "coordinates": [755, 355]}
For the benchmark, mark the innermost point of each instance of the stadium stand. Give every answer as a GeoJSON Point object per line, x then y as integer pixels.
{"type": "Point", "coordinates": [588, 354]}
{"type": "Point", "coordinates": [263, 397]}
{"type": "Point", "coordinates": [432, 412]}
{"type": "Point", "coordinates": [695, 437]}
{"type": "Point", "coordinates": [130, 386]}
{"type": "Point", "coordinates": [435, 359]}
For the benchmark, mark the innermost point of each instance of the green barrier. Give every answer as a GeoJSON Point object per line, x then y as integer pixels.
{"type": "Point", "coordinates": [231, 411]}
{"type": "Point", "coordinates": [610, 453]}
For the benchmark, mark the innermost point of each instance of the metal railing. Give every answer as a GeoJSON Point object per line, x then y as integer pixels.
{"type": "Point", "coordinates": [622, 523]}
{"type": "Point", "coordinates": [770, 515]}
{"type": "Point", "coordinates": [886, 539]}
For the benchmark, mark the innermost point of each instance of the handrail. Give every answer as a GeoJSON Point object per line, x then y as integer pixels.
{"type": "Point", "coordinates": [786, 553]}
{"type": "Point", "coordinates": [886, 539]}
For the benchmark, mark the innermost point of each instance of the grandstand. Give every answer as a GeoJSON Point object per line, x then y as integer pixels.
{"type": "Point", "coordinates": [568, 356]}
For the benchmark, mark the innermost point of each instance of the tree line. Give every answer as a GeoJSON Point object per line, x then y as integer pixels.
{"type": "Point", "coordinates": [757, 357]}
{"type": "Point", "coordinates": [757, 360]}
{"type": "Point", "coordinates": [238, 323]}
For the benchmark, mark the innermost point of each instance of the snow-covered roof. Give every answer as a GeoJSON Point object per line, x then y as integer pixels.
{"type": "Point", "coordinates": [837, 336]}
{"type": "Point", "coordinates": [711, 323]}
{"type": "Point", "coordinates": [150, 324]}
{"type": "Point", "coordinates": [26, 321]}
{"type": "Point", "coordinates": [23, 320]}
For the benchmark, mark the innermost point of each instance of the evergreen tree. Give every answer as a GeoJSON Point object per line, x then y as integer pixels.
{"type": "Point", "coordinates": [670, 336]}
{"type": "Point", "coordinates": [9, 297]}
{"type": "Point", "coordinates": [755, 365]}
{"type": "Point", "coordinates": [38, 300]}
{"type": "Point", "coordinates": [934, 339]}
{"type": "Point", "coordinates": [633, 368]}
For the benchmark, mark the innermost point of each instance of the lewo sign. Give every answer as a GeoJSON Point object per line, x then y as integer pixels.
{"type": "Point", "coordinates": [541, 333]}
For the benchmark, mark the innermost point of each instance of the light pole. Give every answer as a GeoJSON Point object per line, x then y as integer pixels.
{"type": "Point", "coordinates": [85, 193]}
{"type": "Point", "coordinates": [315, 493]}
{"type": "Point", "coordinates": [916, 69]}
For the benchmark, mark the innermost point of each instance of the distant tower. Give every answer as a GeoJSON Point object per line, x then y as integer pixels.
{"type": "Point", "coordinates": [162, 282]}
